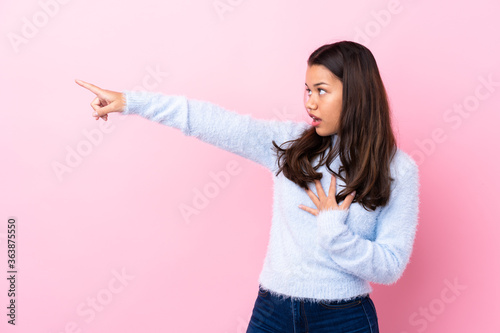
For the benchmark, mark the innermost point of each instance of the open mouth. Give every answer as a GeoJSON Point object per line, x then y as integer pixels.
{"type": "Point", "coordinates": [316, 120]}
{"type": "Point", "coordinates": [313, 117]}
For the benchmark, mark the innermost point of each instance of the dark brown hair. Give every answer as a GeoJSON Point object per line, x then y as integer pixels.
{"type": "Point", "coordinates": [365, 142]}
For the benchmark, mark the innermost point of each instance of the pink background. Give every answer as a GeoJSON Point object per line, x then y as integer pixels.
{"type": "Point", "coordinates": [116, 209]}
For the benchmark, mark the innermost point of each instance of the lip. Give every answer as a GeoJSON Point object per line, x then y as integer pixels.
{"type": "Point", "coordinates": [315, 120]}
{"type": "Point", "coordinates": [313, 116]}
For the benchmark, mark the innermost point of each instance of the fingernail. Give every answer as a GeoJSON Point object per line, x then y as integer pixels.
{"type": "Point", "coordinates": [353, 193]}
{"type": "Point", "coordinates": [94, 114]}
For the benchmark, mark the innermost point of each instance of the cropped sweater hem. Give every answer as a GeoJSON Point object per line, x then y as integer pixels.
{"type": "Point", "coordinates": [281, 296]}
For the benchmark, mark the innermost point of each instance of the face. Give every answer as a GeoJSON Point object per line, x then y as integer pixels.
{"type": "Point", "coordinates": [323, 99]}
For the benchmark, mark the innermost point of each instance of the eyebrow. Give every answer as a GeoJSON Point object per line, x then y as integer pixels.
{"type": "Point", "coordinates": [319, 83]}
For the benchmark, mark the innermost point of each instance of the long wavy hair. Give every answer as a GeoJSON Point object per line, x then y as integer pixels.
{"type": "Point", "coordinates": [365, 144]}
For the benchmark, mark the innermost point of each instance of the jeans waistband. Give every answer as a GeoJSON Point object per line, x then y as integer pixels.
{"type": "Point", "coordinates": [276, 295]}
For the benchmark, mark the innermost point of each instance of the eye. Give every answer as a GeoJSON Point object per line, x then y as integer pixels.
{"type": "Point", "coordinates": [321, 90]}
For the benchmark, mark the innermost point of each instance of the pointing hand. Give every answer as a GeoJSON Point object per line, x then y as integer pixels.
{"type": "Point", "coordinates": [106, 101]}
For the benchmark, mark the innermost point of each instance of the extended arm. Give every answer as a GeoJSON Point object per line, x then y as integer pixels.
{"type": "Point", "coordinates": [240, 134]}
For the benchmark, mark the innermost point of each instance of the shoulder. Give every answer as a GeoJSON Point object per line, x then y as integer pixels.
{"type": "Point", "coordinates": [406, 185]}
{"type": "Point", "coordinates": [297, 128]}
{"type": "Point", "coordinates": [403, 165]}
{"type": "Point", "coordinates": [290, 130]}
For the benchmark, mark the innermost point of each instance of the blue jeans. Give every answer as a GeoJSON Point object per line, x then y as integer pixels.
{"type": "Point", "coordinates": [273, 314]}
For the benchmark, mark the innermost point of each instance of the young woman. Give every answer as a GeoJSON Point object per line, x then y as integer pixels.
{"type": "Point", "coordinates": [324, 248]}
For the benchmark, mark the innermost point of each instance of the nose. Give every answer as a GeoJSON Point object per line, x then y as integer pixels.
{"type": "Point", "coordinates": [309, 102]}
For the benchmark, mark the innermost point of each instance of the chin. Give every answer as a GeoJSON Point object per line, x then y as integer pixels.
{"type": "Point", "coordinates": [322, 132]}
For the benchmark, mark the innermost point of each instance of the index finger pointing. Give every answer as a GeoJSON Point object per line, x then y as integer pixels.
{"type": "Point", "coordinates": [95, 89]}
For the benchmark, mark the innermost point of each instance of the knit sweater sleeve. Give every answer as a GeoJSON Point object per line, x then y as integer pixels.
{"type": "Point", "coordinates": [241, 134]}
{"type": "Point", "coordinates": [383, 259]}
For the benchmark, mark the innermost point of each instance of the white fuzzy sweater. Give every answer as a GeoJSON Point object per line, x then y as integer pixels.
{"type": "Point", "coordinates": [334, 255]}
